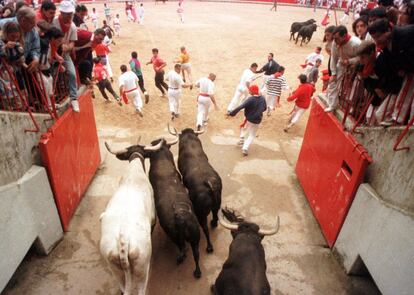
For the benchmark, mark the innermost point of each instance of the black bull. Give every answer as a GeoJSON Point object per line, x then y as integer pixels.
{"type": "Point", "coordinates": [202, 181]}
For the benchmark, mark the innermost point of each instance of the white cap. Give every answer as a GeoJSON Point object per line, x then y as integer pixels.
{"type": "Point", "coordinates": [66, 7]}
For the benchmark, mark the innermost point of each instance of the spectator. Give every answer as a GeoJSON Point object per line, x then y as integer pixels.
{"type": "Point", "coordinates": [344, 54]}
{"type": "Point", "coordinates": [100, 74]}
{"type": "Point", "coordinates": [254, 106]}
{"type": "Point", "coordinates": [360, 29]}
{"type": "Point", "coordinates": [65, 24]}
{"type": "Point", "coordinates": [376, 13]}
{"type": "Point", "coordinates": [313, 75]}
{"type": "Point", "coordinates": [302, 97]}
{"type": "Point", "coordinates": [11, 45]}
{"type": "Point", "coordinates": [46, 12]}
{"type": "Point", "coordinates": [7, 11]}
{"type": "Point", "coordinates": [79, 18]}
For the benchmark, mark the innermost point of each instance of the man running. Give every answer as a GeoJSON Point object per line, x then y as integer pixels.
{"type": "Point", "coordinates": [184, 60]}
{"type": "Point", "coordinates": [205, 98]}
{"type": "Point", "coordinates": [175, 83]}
{"type": "Point", "coordinates": [253, 107]}
{"type": "Point", "coordinates": [242, 90]}
{"type": "Point", "coordinates": [128, 88]}
{"type": "Point", "coordinates": [136, 68]}
{"type": "Point", "coordinates": [158, 65]}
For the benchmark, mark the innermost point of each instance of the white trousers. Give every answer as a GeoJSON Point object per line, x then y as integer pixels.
{"type": "Point", "coordinates": [249, 130]}
{"type": "Point", "coordinates": [203, 107]}
{"type": "Point", "coordinates": [404, 107]}
{"type": "Point", "coordinates": [263, 88]}
{"type": "Point", "coordinates": [174, 98]}
{"type": "Point", "coordinates": [239, 96]}
{"type": "Point", "coordinates": [334, 88]}
{"type": "Point", "coordinates": [135, 96]}
{"type": "Point", "coordinates": [385, 110]}
{"type": "Point", "coordinates": [48, 83]}
{"type": "Point", "coordinates": [270, 101]}
{"type": "Point", "coordinates": [141, 19]}
{"type": "Point", "coordinates": [296, 114]}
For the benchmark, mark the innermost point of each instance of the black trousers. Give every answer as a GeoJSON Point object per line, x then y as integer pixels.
{"type": "Point", "coordinates": [105, 84]}
{"type": "Point", "coordinates": [159, 82]}
{"type": "Point", "coordinates": [141, 83]}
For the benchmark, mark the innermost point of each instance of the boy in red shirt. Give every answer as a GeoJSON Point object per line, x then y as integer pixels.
{"type": "Point", "coordinates": [100, 74]}
{"type": "Point", "coordinates": [302, 97]}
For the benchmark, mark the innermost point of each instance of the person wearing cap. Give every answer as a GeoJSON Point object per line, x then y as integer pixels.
{"type": "Point", "coordinates": [65, 24]}
{"type": "Point", "coordinates": [242, 90]}
{"type": "Point", "coordinates": [253, 107]}
{"type": "Point", "coordinates": [302, 97]}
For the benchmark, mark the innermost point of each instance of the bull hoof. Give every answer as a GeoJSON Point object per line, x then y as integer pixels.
{"type": "Point", "coordinates": [209, 249]}
{"type": "Point", "coordinates": [197, 274]}
{"type": "Point", "coordinates": [213, 223]}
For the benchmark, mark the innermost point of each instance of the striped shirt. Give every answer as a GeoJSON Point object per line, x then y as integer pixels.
{"type": "Point", "coordinates": [276, 85]}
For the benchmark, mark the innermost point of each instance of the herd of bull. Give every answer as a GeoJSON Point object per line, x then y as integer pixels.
{"type": "Point", "coordinates": [182, 201]}
{"type": "Point", "coordinates": [304, 30]}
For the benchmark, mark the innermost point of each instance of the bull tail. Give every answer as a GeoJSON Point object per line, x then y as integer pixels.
{"type": "Point", "coordinates": [123, 248]}
{"type": "Point", "coordinates": [214, 192]}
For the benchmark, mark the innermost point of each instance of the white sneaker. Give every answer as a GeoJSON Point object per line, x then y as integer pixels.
{"type": "Point", "coordinates": [139, 112]}
{"type": "Point", "coordinates": [75, 105]}
{"type": "Point", "coordinates": [240, 142]}
{"type": "Point", "coordinates": [329, 109]}
{"type": "Point", "coordinates": [245, 153]}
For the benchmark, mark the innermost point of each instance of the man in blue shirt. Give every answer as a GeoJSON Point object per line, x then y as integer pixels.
{"type": "Point", "coordinates": [253, 107]}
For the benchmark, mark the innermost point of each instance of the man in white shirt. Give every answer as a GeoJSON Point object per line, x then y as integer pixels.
{"type": "Point", "coordinates": [175, 83]}
{"type": "Point", "coordinates": [242, 90]}
{"type": "Point", "coordinates": [129, 88]}
{"type": "Point", "coordinates": [64, 23]}
{"type": "Point", "coordinates": [205, 98]}
{"type": "Point", "coordinates": [311, 60]}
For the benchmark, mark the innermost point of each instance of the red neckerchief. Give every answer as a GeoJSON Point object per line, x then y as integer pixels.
{"type": "Point", "coordinates": [347, 38]}
{"type": "Point", "coordinates": [277, 74]}
{"type": "Point", "coordinates": [65, 27]}
{"type": "Point", "coordinates": [367, 70]}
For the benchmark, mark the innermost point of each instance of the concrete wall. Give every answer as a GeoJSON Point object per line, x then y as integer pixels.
{"type": "Point", "coordinates": [391, 173]}
{"type": "Point", "coordinates": [18, 149]}
{"type": "Point", "coordinates": [27, 215]}
{"type": "Point", "coordinates": [382, 237]}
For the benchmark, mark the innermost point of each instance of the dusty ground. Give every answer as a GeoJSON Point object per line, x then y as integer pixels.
{"type": "Point", "coordinates": [224, 39]}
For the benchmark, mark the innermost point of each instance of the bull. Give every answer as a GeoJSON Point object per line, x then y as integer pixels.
{"type": "Point", "coordinates": [127, 222]}
{"type": "Point", "coordinates": [306, 33]}
{"type": "Point", "coordinates": [174, 209]}
{"type": "Point", "coordinates": [244, 271]}
{"type": "Point", "coordinates": [296, 26]}
{"type": "Point", "coordinates": [199, 177]}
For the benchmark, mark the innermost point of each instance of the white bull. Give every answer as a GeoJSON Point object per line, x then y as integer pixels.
{"type": "Point", "coordinates": [126, 227]}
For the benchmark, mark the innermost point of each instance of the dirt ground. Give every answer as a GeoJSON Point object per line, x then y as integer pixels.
{"type": "Point", "coordinates": [225, 39]}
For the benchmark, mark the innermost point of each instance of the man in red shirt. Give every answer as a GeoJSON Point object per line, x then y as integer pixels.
{"type": "Point", "coordinates": [101, 76]}
{"type": "Point", "coordinates": [159, 66]}
{"type": "Point", "coordinates": [302, 97]}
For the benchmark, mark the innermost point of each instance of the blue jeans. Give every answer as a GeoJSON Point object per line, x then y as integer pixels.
{"type": "Point", "coordinates": [71, 73]}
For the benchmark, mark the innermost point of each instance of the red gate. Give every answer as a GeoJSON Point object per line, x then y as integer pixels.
{"type": "Point", "coordinates": [70, 153]}
{"type": "Point", "coordinates": [330, 168]}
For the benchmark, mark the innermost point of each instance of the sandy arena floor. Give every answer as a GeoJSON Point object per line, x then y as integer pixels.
{"type": "Point", "coordinates": [225, 39]}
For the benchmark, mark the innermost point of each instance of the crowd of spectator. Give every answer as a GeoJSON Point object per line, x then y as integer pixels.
{"type": "Point", "coordinates": [38, 45]}
{"type": "Point", "coordinates": [380, 57]}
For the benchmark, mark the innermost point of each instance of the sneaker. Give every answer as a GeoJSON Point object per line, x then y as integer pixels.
{"type": "Point", "coordinates": [119, 101]}
{"type": "Point", "coordinates": [387, 123]}
{"type": "Point", "coordinates": [240, 142]}
{"type": "Point", "coordinates": [198, 127]}
{"type": "Point", "coordinates": [191, 87]}
{"type": "Point", "coordinates": [172, 116]}
{"type": "Point", "coordinates": [112, 80]}
{"type": "Point", "coordinates": [177, 115]}
{"type": "Point", "coordinates": [285, 129]}
{"type": "Point", "coordinates": [146, 97]}
{"type": "Point", "coordinates": [269, 112]}
{"type": "Point", "coordinates": [163, 95]}
{"type": "Point", "coordinates": [75, 105]}
{"type": "Point", "coordinates": [139, 112]}
{"type": "Point", "coordinates": [329, 109]}
{"type": "Point", "coordinates": [244, 152]}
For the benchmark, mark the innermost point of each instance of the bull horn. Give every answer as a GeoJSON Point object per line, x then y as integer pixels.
{"type": "Point", "coordinates": [174, 141]}
{"type": "Point", "coordinates": [139, 139]}
{"type": "Point", "coordinates": [270, 232]}
{"type": "Point", "coordinates": [175, 130]}
{"type": "Point", "coordinates": [114, 152]}
{"type": "Point", "coordinates": [225, 223]}
{"type": "Point", "coordinates": [153, 147]}
{"type": "Point", "coordinates": [198, 132]}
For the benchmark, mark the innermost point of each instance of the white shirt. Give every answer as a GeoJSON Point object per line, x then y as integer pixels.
{"type": "Point", "coordinates": [71, 35]}
{"type": "Point", "coordinates": [94, 16]}
{"type": "Point", "coordinates": [313, 57]}
{"type": "Point", "coordinates": [174, 80]}
{"type": "Point", "coordinates": [206, 86]}
{"type": "Point", "coordinates": [141, 10]}
{"type": "Point", "coordinates": [129, 80]}
{"type": "Point", "coordinates": [246, 77]}
{"type": "Point", "coordinates": [116, 21]}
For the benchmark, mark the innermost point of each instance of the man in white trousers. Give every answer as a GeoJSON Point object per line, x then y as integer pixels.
{"type": "Point", "coordinates": [253, 107]}
{"type": "Point", "coordinates": [205, 98]}
{"type": "Point", "coordinates": [242, 90]}
{"type": "Point", "coordinates": [175, 83]}
{"type": "Point", "coordinates": [129, 89]}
